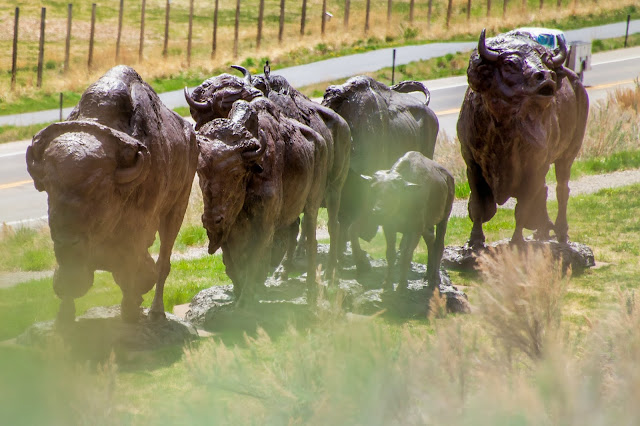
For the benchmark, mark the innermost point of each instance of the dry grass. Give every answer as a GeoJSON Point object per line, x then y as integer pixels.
{"type": "Point", "coordinates": [614, 125]}
{"type": "Point", "coordinates": [154, 65]}
{"type": "Point", "coordinates": [521, 298]}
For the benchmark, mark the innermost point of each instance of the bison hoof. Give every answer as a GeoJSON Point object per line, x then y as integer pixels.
{"type": "Point", "coordinates": [475, 245]}
{"type": "Point", "coordinates": [157, 316]}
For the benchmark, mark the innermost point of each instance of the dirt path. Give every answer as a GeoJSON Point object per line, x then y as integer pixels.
{"type": "Point", "coordinates": [584, 185]}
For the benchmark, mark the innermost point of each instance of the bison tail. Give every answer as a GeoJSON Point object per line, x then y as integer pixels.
{"type": "Point", "coordinates": [409, 86]}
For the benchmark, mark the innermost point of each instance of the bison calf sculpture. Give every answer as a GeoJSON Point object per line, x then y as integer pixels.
{"type": "Point", "coordinates": [386, 122]}
{"type": "Point", "coordinates": [116, 172]}
{"type": "Point", "coordinates": [259, 170]}
{"type": "Point", "coordinates": [412, 198]}
{"type": "Point", "coordinates": [522, 112]}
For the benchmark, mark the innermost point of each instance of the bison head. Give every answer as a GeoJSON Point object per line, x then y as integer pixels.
{"type": "Point", "coordinates": [391, 196]}
{"type": "Point", "coordinates": [230, 153]}
{"type": "Point", "coordinates": [215, 96]}
{"type": "Point", "coordinates": [89, 172]}
{"type": "Point", "coordinates": [512, 71]}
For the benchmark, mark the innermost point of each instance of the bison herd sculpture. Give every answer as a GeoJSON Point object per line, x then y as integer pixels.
{"type": "Point", "coordinates": [120, 169]}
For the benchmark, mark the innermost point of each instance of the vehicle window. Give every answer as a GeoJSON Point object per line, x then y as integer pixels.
{"type": "Point", "coordinates": [546, 40]}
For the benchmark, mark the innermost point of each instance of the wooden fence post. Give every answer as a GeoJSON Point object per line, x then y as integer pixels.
{"type": "Point", "coordinates": [14, 58]}
{"type": "Point", "coordinates": [91, 35]}
{"type": "Point", "coordinates": [389, 6]}
{"type": "Point", "coordinates": [260, 19]}
{"type": "Point", "coordinates": [303, 18]}
{"type": "Point", "coordinates": [43, 17]}
{"type": "Point", "coordinates": [165, 49]}
{"type": "Point", "coordinates": [347, 6]}
{"type": "Point", "coordinates": [119, 31]}
{"type": "Point", "coordinates": [524, 5]}
{"type": "Point", "coordinates": [324, 17]}
{"type": "Point", "coordinates": [235, 33]}
{"type": "Point", "coordinates": [190, 33]}
{"type": "Point", "coordinates": [559, 4]}
{"type": "Point", "coordinates": [411, 8]}
{"type": "Point", "coordinates": [281, 27]}
{"type": "Point", "coordinates": [430, 7]}
{"type": "Point", "coordinates": [366, 19]}
{"type": "Point", "coordinates": [504, 8]}
{"type": "Point", "coordinates": [449, 9]}
{"type": "Point", "coordinates": [141, 48]}
{"type": "Point", "coordinates": [488, 8]}
{"type": "Point", "coordinates": [67, 46]}
{"type": "Point", "coordinates": [541, 4]}
{"type": "Point", "coordinates": [468, 10]}
{"type": "Point", "coordinates": [214, 43]}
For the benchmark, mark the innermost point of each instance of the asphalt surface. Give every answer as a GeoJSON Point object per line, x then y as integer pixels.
{"type": "Point", "coordinates": [20, 203]}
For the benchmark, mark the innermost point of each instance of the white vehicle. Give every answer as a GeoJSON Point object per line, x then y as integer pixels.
{"type": "Point", "coordinates": [579, 52]}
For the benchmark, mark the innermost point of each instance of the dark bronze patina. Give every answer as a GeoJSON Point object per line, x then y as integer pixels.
{"type": "Point", "coordinates": [259, 170]}
{"type": "Point", "coordinates": [522, 112]}
{"type": "Point", "coordinates": [386, 122]}
{"type": "Point", "coordinates": [116, 172]}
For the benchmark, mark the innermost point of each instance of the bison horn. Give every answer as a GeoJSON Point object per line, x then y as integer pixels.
{"type": "Point", "coordinates": [198, 106]}
{"type": "Point", "coordinates": [244, 71]}
{"type": "Point", "coordinates": [558, 59]}
{"type": "Point", "coordinates": [485, 53]}
{"type": "Point", "coordinates": [254, 154]}
{"type": "Point", "coordinates": [129, 174]}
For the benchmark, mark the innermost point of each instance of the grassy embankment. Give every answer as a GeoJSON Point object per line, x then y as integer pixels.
{"type": "Point", "coordinates": [539, 349]}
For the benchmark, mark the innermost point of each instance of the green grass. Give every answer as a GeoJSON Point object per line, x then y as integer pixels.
{"type": "Point", "coordinates": [359, 371]}
{"type": "Point", "coordinates": [26, 249]}
{"type": "Point", "coordinates": [614, 43]}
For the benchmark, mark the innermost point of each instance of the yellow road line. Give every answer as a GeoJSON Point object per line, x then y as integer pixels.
{"type": "Point", "coordinates": [608, 85]}
{"type": "Point", "coordinates": [14, 184]}
{"type": "Point", "coordinates": [448, 111]}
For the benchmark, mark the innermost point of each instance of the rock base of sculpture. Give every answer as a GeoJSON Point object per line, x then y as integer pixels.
{"type": "Point", "coordinates": [575, 255]}
{"type": "Point", "coordinates": [101, 330]}
{"type": "Point", "coordinates": [287, 300]}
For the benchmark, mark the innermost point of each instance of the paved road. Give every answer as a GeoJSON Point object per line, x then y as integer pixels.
{"type": "Point", "coordinates": [347, 66]}
{"type": "Point", "coordinates": [21, 203]}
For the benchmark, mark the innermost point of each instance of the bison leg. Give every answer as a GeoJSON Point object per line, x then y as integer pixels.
{"type": "Point", "coordinates": [69, 283]}
{"type": "Point", "coordinates": [291, 239]}
{"type": "Point", "coordinates": [309, 226]}
{"type": "Point", "coordinates": [168, 231]}
{"type": "Point", "coordinates": [67, 311]}
{"type": "Point", "coordinates": [482, 206]}
{"type": "Point", "coordinates": [135, 276]}
{"type": "Point", "coordinates": [390, 237]}
{"type": "Point", "coordinates": [563, 172]}
{"type": "Point", "coordinates": [359, 255]}
{"type": "Point", "coordinates": [333, 206]}
{"type": "Point", "coordinates": [531, 212]}
{"type": "Point", "coordinates": [407, 247]}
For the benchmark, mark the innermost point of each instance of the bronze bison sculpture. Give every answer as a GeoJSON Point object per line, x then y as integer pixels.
{"type": "Point", "coordinates": [116, 172]}
{"type": "Point", "coordinates": [386, 122]}
{"type": "Point", "coordinates": [412, 198]}
{"type": "Point", "coordinates": [258, 171]}
{"type": "Point", "coordinates": [522, 112]}
{"type": "Point", "coordinates": [214, 99]}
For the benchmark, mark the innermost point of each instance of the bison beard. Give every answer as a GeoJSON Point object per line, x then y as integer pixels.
{"type": "Point", "coordinates": [522, 112]}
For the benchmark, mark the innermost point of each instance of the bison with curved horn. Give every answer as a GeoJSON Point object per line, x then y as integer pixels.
{"type": "Point", "coordinates": [258, 171]}
{"type": "Point", "coordinates": [386, 122]}
{"type": "Point", "coordinates": [214, 99]}
{"type": "Point", "coordinates": [116, 172]}
{"type": "Point", "coordinates": [522, 112]}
